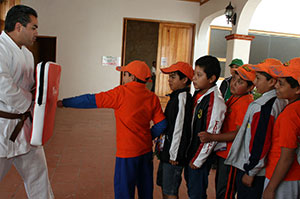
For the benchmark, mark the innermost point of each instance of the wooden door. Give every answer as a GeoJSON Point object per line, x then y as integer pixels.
{"type": "Point", "coordinates": [4, 7]}
{"type": "Point", "coordinates": [175, 43]}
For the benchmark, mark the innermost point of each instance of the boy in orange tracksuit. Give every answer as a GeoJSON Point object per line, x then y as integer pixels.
{"type": "Point", "coordinates": [283, 166]}
{"type": "Point", "coordinates": [135, 106]}
{"type": "Point", "coordinates": [240, 86]}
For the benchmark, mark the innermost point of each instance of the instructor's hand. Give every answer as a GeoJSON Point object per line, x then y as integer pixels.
{"type": "Point", "coordinates": [60, 104]}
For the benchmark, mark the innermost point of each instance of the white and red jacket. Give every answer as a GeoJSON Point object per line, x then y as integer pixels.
{"type": "Point", "coordinates": [252, 143]}
{"type": "Point", "coordinates": [208, 115]}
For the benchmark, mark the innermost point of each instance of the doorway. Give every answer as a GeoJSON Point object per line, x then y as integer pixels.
{"type": "Point", "coordinates": [158, 43]}
{"type": "Point", "coordinates": [44, 49]}
{"type": "Point", "coordinates": [140, 43]}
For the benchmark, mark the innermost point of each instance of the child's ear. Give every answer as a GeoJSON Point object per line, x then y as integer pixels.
{"type": "Point", "coordinates": [212, 79]}
{"type": "Point", "coordinates": [298, 90]}
{"type": "Point", "coordinates": [272, 82]}
{"type": "Point", "coordinates": [185, 79]}
{"type": "Point", "coordinates": [250, 88]}
{"type": "Point", "coordinates": [132, 78]}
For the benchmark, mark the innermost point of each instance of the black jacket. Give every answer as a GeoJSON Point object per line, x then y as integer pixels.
{"type": "Point", "coordinates": [177, 135]}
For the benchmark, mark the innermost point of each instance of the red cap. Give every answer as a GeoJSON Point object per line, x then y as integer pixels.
{"type": "Point", "coordinates": [137, 68]}
{"type": "Point", "coordinates": [288, 69]}
{"type": "Point", "coordinates": [245, 72]}
{"type": "Point", "coordinates": [183, 67]}
{"type": "Point", "coordinates": [265, 65]}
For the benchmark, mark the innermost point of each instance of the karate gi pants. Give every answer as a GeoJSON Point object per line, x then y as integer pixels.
{"type": "Point", "coordinates": [32, 167]}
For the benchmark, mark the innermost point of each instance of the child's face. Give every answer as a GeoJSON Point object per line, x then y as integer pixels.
{"type": "Point", "coordinates": [285, 91]}
{"type": "Point", "coordinates": [262, 84]}
{"type": "Point", "coordinates": [126, 78]}
{"type": "Point", "coordinates": [238, 86]}
{"type": "Point", "coordinates": [175, 82]}
{"type": "Point", "coordinates": [200, 80]}
{"type": "Point", "coordinates": [232, 71]}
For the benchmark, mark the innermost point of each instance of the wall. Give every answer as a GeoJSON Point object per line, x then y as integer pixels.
{"type": "Point", "coordinates": [88, 30]}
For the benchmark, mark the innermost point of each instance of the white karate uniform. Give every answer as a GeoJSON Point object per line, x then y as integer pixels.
{"type": "Point", "coordinates": [16, 81]}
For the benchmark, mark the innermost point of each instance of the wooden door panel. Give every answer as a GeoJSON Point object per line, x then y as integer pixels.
{"type": "Point", "coordinates": [175, 44]}
{"type": "Point", "coordinates": [4, 7]}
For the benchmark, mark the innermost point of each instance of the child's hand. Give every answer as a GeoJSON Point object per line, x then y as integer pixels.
{"type": "Point", "coordinates": [205, 137]}
{"type": "Point", "coordinates": [247, 180]}
{"type": "Point", "coordinates": [268, 194]}
{"type": "Point", "coordinates": [193, 166]}
{"type": "Point", "coordinates": [60, 104]}
{"type": "Point", "coordinates": [172, 162]}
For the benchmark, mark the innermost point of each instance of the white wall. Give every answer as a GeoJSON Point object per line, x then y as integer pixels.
{"type": "Point", "coordinates": [88, 30]}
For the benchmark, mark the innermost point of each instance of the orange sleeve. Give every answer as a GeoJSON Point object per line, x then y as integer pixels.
{"type": "Point", "coordinates": [242, 109]}
{"type": "Point", "coordinates": [290, 127]}
{"type": "Point", "coordinates": [109, 99]}
{"type": "Point", "coordinates": [158, 114]}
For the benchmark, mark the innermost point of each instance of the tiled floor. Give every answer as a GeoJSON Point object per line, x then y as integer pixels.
{"type": "Point", "coordinates": [80, 159]}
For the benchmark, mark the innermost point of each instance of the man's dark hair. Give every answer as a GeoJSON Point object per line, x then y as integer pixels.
{"type": "Point", "coordinates": [181, 76]}
{"type": "Point", "coordinates": [18, 13]}
{"type": "Point", "coordinates": [210, 65]}
{"type": "Point", "coordinates": [265, 74]}
{"type": "Point", "coordinates": [294, 83]}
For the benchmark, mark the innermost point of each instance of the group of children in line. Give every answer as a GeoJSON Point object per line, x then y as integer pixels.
{"type": "Point", "coordinates": [254, 151]}
{"type": "Point", "coordinates": [249, 139]}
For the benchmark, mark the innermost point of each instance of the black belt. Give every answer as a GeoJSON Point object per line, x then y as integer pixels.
{"type": "Point", "coordinates": [20, 124]}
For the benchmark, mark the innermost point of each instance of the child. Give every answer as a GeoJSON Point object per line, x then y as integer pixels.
{"type": "Point", "coordinates": [241, 85]}
{"type": "Point", "coordinates": [208, 114]}
{"type": "Point", "coordinates": [225, 85]}
{"type": "Point", "coordinates": [283, 169]}
{"type": "Point", "coordinates": [135, 106]}
{"type": "Point", "coordinates": [177, 135]}
{"type": "Point", "coordinates": [251, 145]}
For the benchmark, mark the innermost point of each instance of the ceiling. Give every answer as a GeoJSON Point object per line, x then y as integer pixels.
{"type": "Point", "coordinates": [200, 1]}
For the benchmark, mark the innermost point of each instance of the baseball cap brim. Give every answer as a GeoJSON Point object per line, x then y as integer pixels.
{"type": "Point", "coordinates": [283, 71]}
{"type": "Point", "coordinates": [137, 68]}
{"type": "Point", "coordinates": [246, 73]}
{"type": "Point", "coordinates": [183, 67]}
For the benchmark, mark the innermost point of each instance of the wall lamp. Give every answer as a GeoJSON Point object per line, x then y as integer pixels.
{"type": "Point", "coordinates": [230, 14]}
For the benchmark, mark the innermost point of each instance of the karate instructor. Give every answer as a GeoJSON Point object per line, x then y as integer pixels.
{"type": "Point", "coordinates": [16, 82]}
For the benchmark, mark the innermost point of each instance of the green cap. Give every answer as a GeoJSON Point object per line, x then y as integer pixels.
{"type": "Point", "coordinates": [237, 62]}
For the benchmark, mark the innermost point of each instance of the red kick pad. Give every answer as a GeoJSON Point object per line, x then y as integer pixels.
{"type": "Point", "coordinates": [47, 86]}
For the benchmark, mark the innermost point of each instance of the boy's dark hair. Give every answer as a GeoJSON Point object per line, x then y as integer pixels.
{"type": "Point", "coordinates": [249, 83]}
{"type": "Point", "coordinates": [18, 13]}
{"type": "Point", "coordinates": [211, 66]}
{"type": "Point", "coordinates": [265, 74]}
{"type": "Point", "coordinates": [136, 79]}
{"type": "Point", "coordinates": [294, 83]}
{"type": "Point", "coordinates": [181, 76]}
